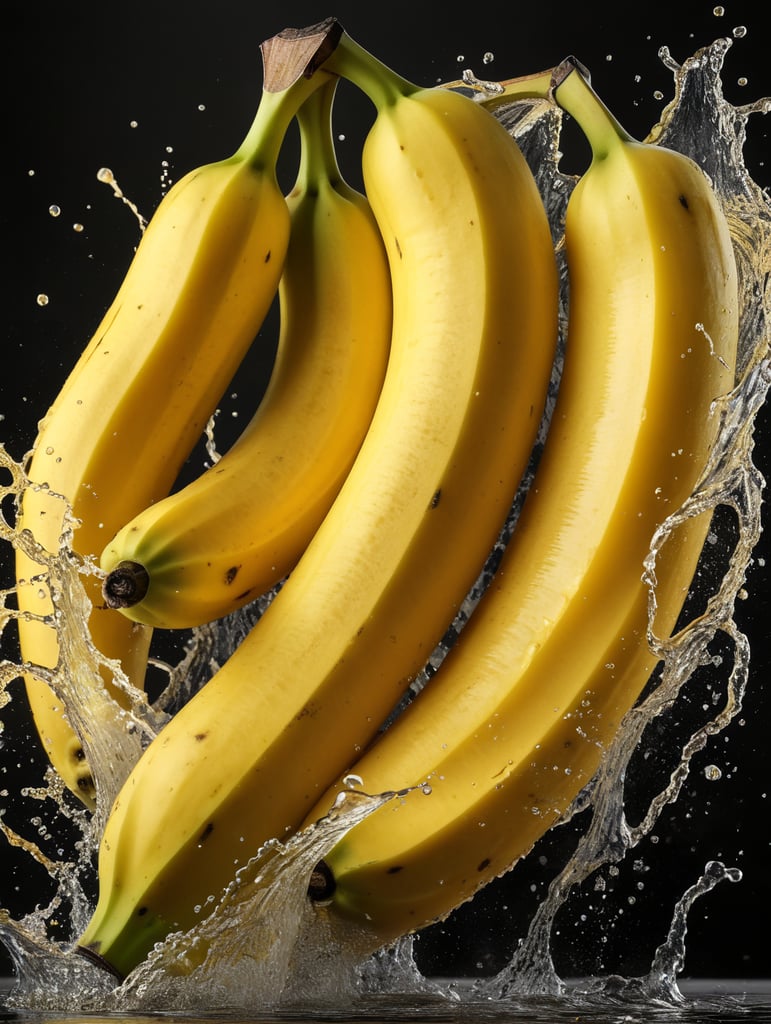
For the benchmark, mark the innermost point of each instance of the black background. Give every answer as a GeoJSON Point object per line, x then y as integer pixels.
{"type": "Point", "coordinates": [75, 79]}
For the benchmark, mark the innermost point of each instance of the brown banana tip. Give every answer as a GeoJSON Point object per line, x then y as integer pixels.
{"type": "Point", "coordinates": [98, 961]}
{"type": "Point", "coordinates": [322, 885]}
{"type": "Point", "coordinates": [125, 585]}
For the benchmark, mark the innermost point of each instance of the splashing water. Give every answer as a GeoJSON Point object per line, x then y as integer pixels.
{"type": "Point", "coordinates": [264, 945]}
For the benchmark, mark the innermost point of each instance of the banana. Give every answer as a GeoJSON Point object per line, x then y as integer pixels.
{"type": "Point", "coordinates": [475, 298]}
{"type": "Point", "coordinates": [196, 291]}
{"type": "Point", "coordinates": [240, 527]}
{"type": "Point", "coordinates": [515, 721]}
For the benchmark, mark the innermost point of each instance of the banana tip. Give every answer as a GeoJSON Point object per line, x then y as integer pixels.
{"type": "Point", "coordinates": [125, 585]}
{"type": "Point", "coordinates": [98, 961]}
{"type": "Point", "coordinates": [321, 887]}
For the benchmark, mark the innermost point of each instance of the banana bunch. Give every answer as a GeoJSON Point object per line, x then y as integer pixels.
{"type": "Point", "coordinates": [515, 721]}
{"type": "Point", "coordinates": [195, 294]}
{"type": "Point", "coordinates": [239, 528]}
{"type": "Point", "coordinates": [474, 329]}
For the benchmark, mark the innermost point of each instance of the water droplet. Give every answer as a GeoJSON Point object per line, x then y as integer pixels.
{"type": "Point", "coordinates": [77, 227]}
{"type": "Point", "coordinates": [741, 81]}
{"type": "Point", "coordinates": [460, 58]}
{"type": "Point", "coordinates": [133, 124]}
{"type": "Point", "coordinates": [718, 11]}
{"type": "Point", "coordinates": [42, 300]}
{"type": "Point", "coordinates": [54, 210]}
{"type": "Point", "coordinates": [488, 58]}
{"type": "Point", "coordinates": [353, 780]}
{"type": "Point", "coordinates": [739, 32]}
{"type": "Point", "coordinates": [712, 772]}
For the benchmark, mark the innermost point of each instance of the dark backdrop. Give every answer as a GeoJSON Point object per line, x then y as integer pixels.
{"type": "Point", "coordinates": [153, 90]}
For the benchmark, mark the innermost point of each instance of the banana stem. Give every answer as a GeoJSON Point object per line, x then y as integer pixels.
{"type": "Point", "coordinates": [293, 62]}
{"type": "Point", "coordinates": [572, 91]}
{"type": "Point", "coordinates": [497, 94]}
{"type": "Point", "coordinates": [382, 84]}
{"type": "Point", "coordinates": [275, 113]}
{"type": "Point", "coordinates": [568, 86]}
{"type": "Point", "coordinates": [318, 159]}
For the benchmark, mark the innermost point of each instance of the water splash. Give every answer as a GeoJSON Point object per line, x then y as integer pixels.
{"type": "Point", "coordinates": [106, 176]}
{"type": "Point", "coordinates": [264, 945]}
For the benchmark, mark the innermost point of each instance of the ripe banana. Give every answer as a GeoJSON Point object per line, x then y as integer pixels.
{"type": "Point", "coordinates": [200, 283]}
{"type": "Point", "coordinates": [474, 333]}
{"type": "Point", "coordinates": [515, 720]}
{"type": "Point", "coordinates": [240, 527]}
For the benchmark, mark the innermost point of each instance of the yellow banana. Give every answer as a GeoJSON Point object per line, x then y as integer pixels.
{"type": "Point", "coordinates": [195, 294]}
{"type": "Point", "coordinates": [474, 333]}
{"type": "Point", "coordinates": [240, 527]}
{"type": "Point", "coordinates": [515, 720]}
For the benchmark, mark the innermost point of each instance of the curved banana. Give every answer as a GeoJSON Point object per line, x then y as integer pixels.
{"type": "Point", "coordinates": [240, 527]}
{"type": "Point", "coordinates": [474, 334]}
{"type": "Point", "coordinates": [195, 294]}
{"type": "Point", "coordinates": [514, 722]}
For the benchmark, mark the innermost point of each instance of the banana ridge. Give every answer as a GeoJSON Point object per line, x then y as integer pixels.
{"type": "Point", "coordinates": [474, 332]}
{"type": "Point", "coordinates": [132, 408]}
{"type": "Point", "coordinates": [517, 717]}
{"type": "Point", "coordinates": [240, 527]}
